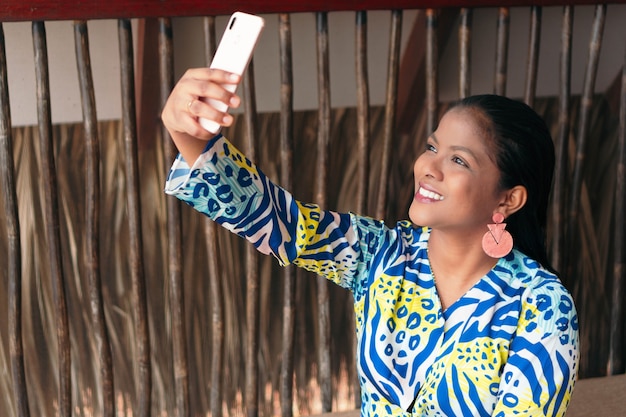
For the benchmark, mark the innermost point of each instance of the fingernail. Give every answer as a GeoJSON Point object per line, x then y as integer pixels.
{"type": "Point", "coordinates": [233, 77]}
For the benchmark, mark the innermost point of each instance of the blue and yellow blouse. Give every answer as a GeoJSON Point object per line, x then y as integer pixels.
{"type": "Point", "coordinates": [508, 347]}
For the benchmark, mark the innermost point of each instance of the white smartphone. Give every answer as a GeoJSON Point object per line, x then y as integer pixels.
{"type": "Point", "coordinates": [234, 53]}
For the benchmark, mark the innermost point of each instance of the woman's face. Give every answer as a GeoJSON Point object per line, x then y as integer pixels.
{"type": "Point", "coordinates": [456, 178]}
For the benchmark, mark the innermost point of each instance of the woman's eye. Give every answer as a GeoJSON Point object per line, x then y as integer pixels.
{"type": "Point", "coordinates": [459, 161]}
{"type": "Point", "coordinates": [430, 148]}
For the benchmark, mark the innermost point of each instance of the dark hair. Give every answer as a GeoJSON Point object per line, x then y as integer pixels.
{"type": "Point", "coordinates": [524, 154]}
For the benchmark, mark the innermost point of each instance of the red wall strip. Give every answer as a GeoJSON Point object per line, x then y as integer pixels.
{"type": "Point", "coordinates": [20, 10]}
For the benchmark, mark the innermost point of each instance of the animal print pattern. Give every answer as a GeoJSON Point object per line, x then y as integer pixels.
{"type": "Point", "coordinates": [509, 346]}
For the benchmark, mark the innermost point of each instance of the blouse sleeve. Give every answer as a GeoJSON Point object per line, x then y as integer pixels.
{"type": "Point", "coordinates": [538, 378]}
{"type": "Point", "coordinates": [227, 187]}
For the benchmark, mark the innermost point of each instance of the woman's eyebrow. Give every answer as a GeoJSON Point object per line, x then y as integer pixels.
{"type": "Point", "coordinates": [458, 148]}
{"type": "Point", "coordinates": [466, 150]}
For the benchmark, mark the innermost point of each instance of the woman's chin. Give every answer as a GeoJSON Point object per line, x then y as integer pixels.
{"type": "Point", "coordinates": [416, 216]}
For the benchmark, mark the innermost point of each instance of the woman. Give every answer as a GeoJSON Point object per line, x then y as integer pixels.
{"type": "Point", "coordinates": [457, 312]}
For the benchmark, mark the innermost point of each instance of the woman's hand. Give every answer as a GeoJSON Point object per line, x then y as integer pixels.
{"type": "Point", "coordinates": [185, 106]}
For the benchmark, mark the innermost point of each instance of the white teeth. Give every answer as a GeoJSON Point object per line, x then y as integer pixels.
{"type": "Point", "coordinates": [429, 194]}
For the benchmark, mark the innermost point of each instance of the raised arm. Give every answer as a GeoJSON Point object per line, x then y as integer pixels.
{"type": "Point", "coordinates": [227, 187]}
{"type": "Point", "coordinates": [215, 178]}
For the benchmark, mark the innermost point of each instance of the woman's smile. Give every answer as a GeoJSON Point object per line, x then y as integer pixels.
{"type": "Point", "coordinates": [425, 195]}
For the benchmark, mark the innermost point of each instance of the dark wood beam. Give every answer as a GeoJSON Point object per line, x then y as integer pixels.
{"type": "Point", "coordinates": [412, 76]}
{"type": "Point", "coordinates": [146, 77]}
{"type": "Point", "coordinates": [613, 94]}
{"type": "Point", "coordinates": [20, 10]}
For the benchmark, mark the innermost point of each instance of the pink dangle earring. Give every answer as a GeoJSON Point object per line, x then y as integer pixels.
{"type": "Point", "coordinates": [497, 242]}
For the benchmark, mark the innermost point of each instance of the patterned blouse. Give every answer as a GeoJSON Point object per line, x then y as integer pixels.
{"type": "Point", "coordinates": [509, 346]}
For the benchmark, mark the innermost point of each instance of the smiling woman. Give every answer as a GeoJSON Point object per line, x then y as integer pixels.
{"type": "Point", "coordinates": [442, 327]}
{"type": "Point", "coordinates": [197, 350]}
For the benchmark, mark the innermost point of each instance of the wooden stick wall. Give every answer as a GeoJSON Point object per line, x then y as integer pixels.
{"type": "Point", "coordinates": [565, 210]}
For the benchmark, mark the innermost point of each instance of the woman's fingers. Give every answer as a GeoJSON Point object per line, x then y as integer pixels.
{"type": "Point", "coordinates": [201, 108]}
{"type": "Point", "coordinates": [209, 83]}
{"type": "Point", "coordinates": [212, 74]}
{"type": "Point", "coordinates": [187, 103]}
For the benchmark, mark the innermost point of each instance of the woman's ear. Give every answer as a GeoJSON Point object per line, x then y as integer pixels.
{"type": "Point", "coordinates": [514, 199]}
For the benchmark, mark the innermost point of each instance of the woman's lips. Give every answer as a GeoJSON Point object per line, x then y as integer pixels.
{"type": "Point", "coordinates": [427, 194]}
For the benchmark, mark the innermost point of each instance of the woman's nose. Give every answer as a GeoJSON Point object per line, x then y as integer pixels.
{"type": "Point", "coordinates": [428, 165]}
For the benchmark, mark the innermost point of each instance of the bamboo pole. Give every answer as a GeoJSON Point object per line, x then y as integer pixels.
{"type": "Point", "coordinates": [432, 69]}
{"type": "Point", "coordinates": [391, 98]}
{"type": "Point", "coordinates": [586, 102]}
{"type": "Point", "coordinates": [616, 341]}
{"type": "Point", "coordinates": [53, 235]}
{"type": "Point", "coordinates": [534, 43]}
{"type": "Point", "coordinates": [174, 232]}
{"type": "Point", "coordinates": [14, 258]}
{"type": "Point", "coordinates": [217, 292]}
{"type": "Point", "coordinates": [465, 58]}
{"type": "Point", "coordinates": [92, 227]}
{"type": "Point", "coordinates": [323, 137]}
{"type": "Point", "coordinates": [286, 179]}
{"type": "Point", "coordinates": [362, 109]}
{"type": "Point", "coordinates": [502, 50]}
{"type": "Point", "coordinates": [559, 190]}
{"type": "Point", "coordinates": [129, 118]}
{"type": "Point", "coordinates": [217, 317]}
{"type": "Point", "coordinates": [252, 259]}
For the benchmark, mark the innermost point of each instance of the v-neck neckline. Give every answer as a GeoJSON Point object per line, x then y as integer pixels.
{"type": "Point", "coordinates": [454, 305]}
